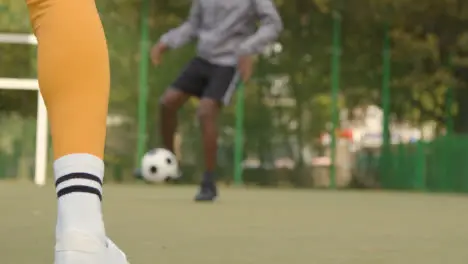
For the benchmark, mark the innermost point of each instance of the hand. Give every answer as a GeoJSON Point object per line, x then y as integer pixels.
{"type": "Point", "coordinates": [245, 67]}
{"type": "Point", "coordinates": [156, 53]}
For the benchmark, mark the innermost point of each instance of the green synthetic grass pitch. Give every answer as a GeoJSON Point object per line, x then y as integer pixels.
{"type": "Point", "coordinates": [161, 225]}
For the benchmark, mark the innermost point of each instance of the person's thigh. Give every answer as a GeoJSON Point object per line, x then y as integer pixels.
{"type": "Point", "coordinates": [222, 84]}
{"type": "Point", "coordinates": [193, 79]}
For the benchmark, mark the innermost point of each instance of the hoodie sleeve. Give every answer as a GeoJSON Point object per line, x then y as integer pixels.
{"type": "Point", "coordinates": [186, 32]}
{"type": "Point", "coordinates": [269, 30]}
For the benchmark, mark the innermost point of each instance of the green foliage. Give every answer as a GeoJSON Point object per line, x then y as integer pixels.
{"type": "Point", "coordinates": [429, 56]}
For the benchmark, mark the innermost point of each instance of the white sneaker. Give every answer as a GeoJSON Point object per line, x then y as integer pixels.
{"type": "Point", "coordinates": [115, 255]}
{"type": "Point", "coordinates": [81, 248]}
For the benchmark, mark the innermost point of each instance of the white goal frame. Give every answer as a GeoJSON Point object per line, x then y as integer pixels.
{"type": "Point", "coordinates": [40, 169]}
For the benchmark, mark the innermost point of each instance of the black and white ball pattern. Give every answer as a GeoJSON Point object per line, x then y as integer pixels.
{"type": "Point", "coordinates": [159, 165]}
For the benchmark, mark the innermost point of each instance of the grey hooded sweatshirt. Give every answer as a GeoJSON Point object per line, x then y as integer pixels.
{"type": "Point", "coordinates": [227, 29]}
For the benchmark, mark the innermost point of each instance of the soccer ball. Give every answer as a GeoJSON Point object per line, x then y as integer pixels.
{"type": "Point", "coordinates": [159, 165]}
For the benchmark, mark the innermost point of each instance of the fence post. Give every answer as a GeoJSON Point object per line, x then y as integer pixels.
{"type": "Point", "coordinates": [449, 103]}
{"type": "Point", "coordinates": [386, 74]}
{"type": "Point", "coordinates": [420, 173]}
{"type": "Point", "coordinates": [385, 100]}
{"type": "Point", "coordinates": [335, 89]}
{"type": "Point", "coordinates": [239, 135]}
{"type": "Point", "coordinates": [143, 80]}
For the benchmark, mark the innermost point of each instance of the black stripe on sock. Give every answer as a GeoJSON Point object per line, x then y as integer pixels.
{"type": "Point", "coordinates": [79, 188]}
{"type": "Point", "coordinates": [78, 175]}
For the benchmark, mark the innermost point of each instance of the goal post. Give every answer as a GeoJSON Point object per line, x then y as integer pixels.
{"type": "Point", "coordinates": [40, 169]}
{"type": "Point", "coordinates": [15, 38]}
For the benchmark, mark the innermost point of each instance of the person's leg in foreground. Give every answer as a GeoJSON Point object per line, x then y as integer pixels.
{"type": "Point", "coordinates": [73, 67]}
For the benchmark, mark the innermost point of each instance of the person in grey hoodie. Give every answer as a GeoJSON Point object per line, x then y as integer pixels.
{"type": "Point", "coordinates": [228, 36]}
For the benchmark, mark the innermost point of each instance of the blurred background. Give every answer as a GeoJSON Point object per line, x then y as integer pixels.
{"type": "Point", "coordinates": [355, 94]}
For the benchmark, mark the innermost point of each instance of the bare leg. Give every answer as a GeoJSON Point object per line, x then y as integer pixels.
{"type": "Point", "coordinates": [208, 113]}
{"type": "Point", "coordinates": [171, 102]}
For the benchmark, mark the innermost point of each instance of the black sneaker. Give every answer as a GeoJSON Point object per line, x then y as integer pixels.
{"type": "Point", "coordinates": [207, 193]}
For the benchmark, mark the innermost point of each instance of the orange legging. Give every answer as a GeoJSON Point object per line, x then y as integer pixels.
{"type": "Point", "coordinates": [73, 68]}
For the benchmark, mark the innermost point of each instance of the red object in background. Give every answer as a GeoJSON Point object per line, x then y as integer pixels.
{"type": "Point", "coordinates": [346, 133]}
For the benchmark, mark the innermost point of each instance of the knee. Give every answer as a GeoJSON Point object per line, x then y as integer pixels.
{"type": "Point", "coordinates": [170, 101]}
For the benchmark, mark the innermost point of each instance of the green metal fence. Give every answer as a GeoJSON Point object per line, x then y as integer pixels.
{"type": "Point", "coordinates": [437, 166]}
{"type": "Point", "coordinates": [333, 56]}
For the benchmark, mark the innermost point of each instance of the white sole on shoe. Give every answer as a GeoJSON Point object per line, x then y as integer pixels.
{"type": "Point", "coordinates": [80, 248]}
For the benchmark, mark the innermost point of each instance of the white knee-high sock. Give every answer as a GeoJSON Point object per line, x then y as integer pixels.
{"type": "Point", "coordinates": [78, 179]}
